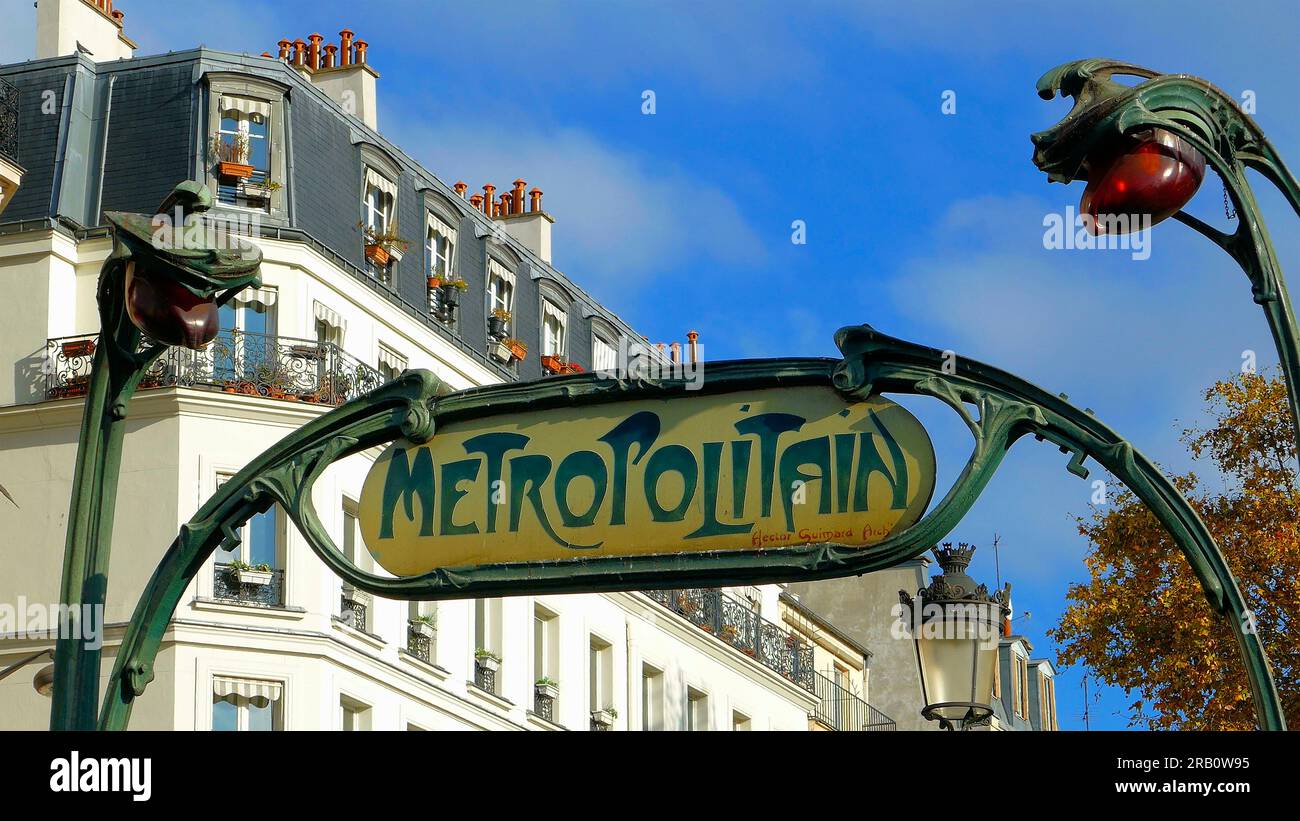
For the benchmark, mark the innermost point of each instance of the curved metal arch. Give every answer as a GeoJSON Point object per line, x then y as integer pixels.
{"type": "Point", "coordinates": [1230, 141]}
{"type": "Point", "coordinates": [1008, 409]}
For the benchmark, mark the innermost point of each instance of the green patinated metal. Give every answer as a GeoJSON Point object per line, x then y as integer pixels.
{"type": "Point", "coordinates": [1005, 409]}
{"type": "Point", "coordinates": [121, 359]}
{"type": "Point", "coordinates": [1104, 110]}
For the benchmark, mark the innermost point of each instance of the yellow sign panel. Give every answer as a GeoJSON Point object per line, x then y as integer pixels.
{"type": "Point", "coordinates": [767, 469]}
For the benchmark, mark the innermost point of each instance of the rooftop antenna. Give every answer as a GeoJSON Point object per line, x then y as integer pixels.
{"type": "Point", "coordinates": [997, 564]}
{"type": "Point", "coordinates": [1086, 724]}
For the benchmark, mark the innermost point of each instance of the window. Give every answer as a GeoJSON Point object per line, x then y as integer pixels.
{"type": "Point", "coordinates": [391, 363]}
{"type": "Point", "coordinates": [1020, 671]}
{"type": "Point", "coordinates": [600, 669]}
{"type": "Point", "coordinates": [440, 247]}
{"type": "Point", "coordinates": [243, 140]}
{"type": "Point", "coordinates": [553, 329]}
{"type": "Point", "coordinates": [246, 705]}
{"type": "Point", "coordinates": [488, 637]}
{"type": "Point", "coordinates": [1046, 702]}
{"type": "Point", "coordinates": [546, 644]}
{"type": "Point", "coordinates": [260, 546]}
{"type": "Point", "coordinates": [697, 709]}
{"type": "Point", "coordinates": [652, 698]}
{"type": "Point", "coordinates": [501, 290]}
{"type": "Point", "coordinates": [354, 609]}
{"type": "Point", "coordinates": [354, 716]}
{"type": "Point", "coordinates": [379, 220]}
{"type": "Point", "coordinates": [740, 722]}
{"type": "Point", "coordinates": [604, 354]}
{"type": "Point", "coordinates": [246, 348]}
{"type": "Point", "coordinates": [997, 677]}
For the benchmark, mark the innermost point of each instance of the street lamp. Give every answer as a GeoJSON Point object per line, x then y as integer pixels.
{"type": "Point", "coordinates": [1143, 149]}
{"type": "Point", "coordinates": [163, 284]}
{"type": "Point", "coordinates": [956, 625]}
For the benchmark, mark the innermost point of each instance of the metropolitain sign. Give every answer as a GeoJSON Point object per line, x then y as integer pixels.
{"type": "Point", "coordinates": [756, 469]}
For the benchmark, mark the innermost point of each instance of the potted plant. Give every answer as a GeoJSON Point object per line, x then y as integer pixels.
{"type": "Point", "coordinates": [244, 573]}
{"type": "Point", "coordinates": [728, 633]}
{"type": "Point", "coordinates": [424, 625]}
{"type": "Point", "coordinates": [547, 688]}
{"type": "Point", "coordinates": [354, 596]}
{"type": "Point", "coordinates": [552, 363]}
{"type": "Point", "coordinates": [518, 350]}
{"type": "Point", "coordinates": [231, 155]}
{"type": "Point", "coordinates": [451, 289]}
{"type": "Point", "coordinates": [75, 348]}
{"type": "Point", "coordinates": [260, 190]}
{"type": "Point", "coordinates": [497, 323]}
{"type": "Point", "coordinates": [487, 659]}
{"type": "Point", "coordinates": [435, 282]}
{"type": "Point", "coordinates": [381, 246]}
{"type": "Point", "coordinates": [604, 718]}
{"type": "Point", "coordinates": [499, 351]}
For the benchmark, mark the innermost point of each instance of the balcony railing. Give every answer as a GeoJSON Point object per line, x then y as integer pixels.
{"type": "Point", "coordinates": [418, 642]}
{"type": "Point", "coordinates": [227, 587]}
{"type": "Point", "coordinates": [839, 709]}
{"type": "Point", "coordinates": [235, 362]}
{"type": "Point", "coordinates": [8, 121]}
{"type": "Point", "coordinates": [737, 624]}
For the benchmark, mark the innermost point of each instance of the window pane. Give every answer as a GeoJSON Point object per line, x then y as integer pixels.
{"type": "Point", "coordinates": [261, 719]}
{"type": "Point", "coordinates": [225, 716]}
{"type": "Point", "coordinates": [261, 538]}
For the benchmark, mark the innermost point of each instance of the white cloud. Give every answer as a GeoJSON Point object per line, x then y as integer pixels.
{"type": "Point", "coordinates": [620, 217]}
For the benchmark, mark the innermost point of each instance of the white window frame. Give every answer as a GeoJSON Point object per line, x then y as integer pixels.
{"type": "Point", "coordinates": [557, 344]}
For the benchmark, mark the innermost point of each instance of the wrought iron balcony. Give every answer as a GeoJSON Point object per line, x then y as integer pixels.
{"type": "Point", "coordinates": [839, 709]}
{"type": "Point", "coordinates": [8, 121]}
{"type": "Point", "coordinates": [544, 707]}
{"type": "Point", "coordinates": [737, 624]}
{"type": "Point", "coordinates": [278, 367]}
{"type": "Point", "coordinates": [227, 587]}
{"type": "Point", "coordinates": [419, 642]}
{"type": "Point", "coordinates": [485, 676]}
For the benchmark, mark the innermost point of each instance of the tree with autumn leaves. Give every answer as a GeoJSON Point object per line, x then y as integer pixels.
{"type": "Point", "coordinates": [1142, 623]}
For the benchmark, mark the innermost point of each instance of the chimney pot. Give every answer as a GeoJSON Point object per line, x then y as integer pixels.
{"type": "Point", "coordinates": [313, 54]}
{"type": "Point", "coordinates": [477, 201]}
{"type": "Point", "coordinates": [460, 188]}
{"type": "Point", "coordinates": [345, 51]}
{"type": "Point", "coordinates": [266, 54]}
{"type": "Point", "coordinates": [535, 199]}
{"type": "Point", "coordinates": [331, 55]}
{"type": "Point", "coordinates": [488, 198]}
{"type": "Point", "coordinates": [676, 349]}
{"type": "Point", "coordinates": [299, 52]}
{"type": "Point", "coordinates": [517, 198]}
{"type": "Point", "coordinates": [285, 45]}
{"type": "Point", "coordinates": [506, 199]}
{"type": "Point", "coordinates": [118, 15]}
{"type": "Point", "coordinates": [362, 45]}
{"type": "Point", "coordinates": [693, 344]}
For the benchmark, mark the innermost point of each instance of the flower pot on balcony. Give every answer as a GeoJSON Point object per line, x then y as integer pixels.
{"type": "Point", "coordinates": [488, 663]}
{"type": "Point", "coordinates": [496, 327]}
{"type": "Point", "coordinates": [235, 170]}
{"type": "Point", "coordinates": [500, 352]}
{"type": "Point", "coordinates": [552, 364]}
{"type": "Point", "coordinates": [78, 348]}
{"type": "Point", "coordinates": [518, 350]}
{"type": "Point", "coordinates": [434, 282]}
{"type": "Point", "coordinates": [422, 628]}
{"type": "Point", "coordinates": [450, 294]}
{"type": "Point", "coordinates": [259, 578]}
{"type": "Point", "coordinates": [377, 254]}
{"type": "Point", "coordinates": [358, 597]}
{"type": "Point", "coordinates": [603, 718]}
{"type": "Point", "coordinates": [551, 691]}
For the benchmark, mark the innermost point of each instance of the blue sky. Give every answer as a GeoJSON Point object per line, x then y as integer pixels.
{"type": "Point", "coordinates": [927, 226]}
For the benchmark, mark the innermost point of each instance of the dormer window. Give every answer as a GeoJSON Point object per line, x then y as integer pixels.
{"type": "Point", "coordinates": [243, 136]}
{"type": "Point", "coordinates": [554, 330]}
{"type": "Point", "coordinates": [378, 224]}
